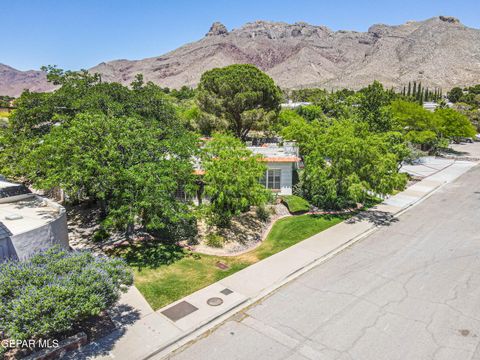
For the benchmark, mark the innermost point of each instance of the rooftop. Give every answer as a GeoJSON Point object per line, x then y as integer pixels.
{"type": "Point", "coordinates": [8, 189]}
{"type": "Point", "coordinates": [27, 214]}
{"type": "Point", "coordinates": [288, 152]}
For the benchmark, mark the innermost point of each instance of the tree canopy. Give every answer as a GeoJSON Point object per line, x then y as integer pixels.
{"type": "Point", "coordinates": [345, 162]}
{"type": "Point", "coordinates": [244, 96]}
{"type": "Point", "coordinates": [232, 178]}
{"type": "Point", "coordinates": [124, 148]}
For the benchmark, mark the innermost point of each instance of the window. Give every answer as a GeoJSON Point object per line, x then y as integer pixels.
{"type": "Point", "coordinates": [271, 180]}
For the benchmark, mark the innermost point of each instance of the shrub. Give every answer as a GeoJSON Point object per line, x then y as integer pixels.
{"type": "Point", "coordinates": [100, 235]}
{"type": "Point", "coordinates": [295, 204]}
{"type": "Point", "coordinates": [215, 240]}
{"type": "Point", "coordinates": [56, 289]}
{"type": "Point", "coordinates": [263, 213]}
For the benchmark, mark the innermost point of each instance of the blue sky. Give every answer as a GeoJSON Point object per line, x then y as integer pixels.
{"type": "Point", "coordinates": [76, 34]}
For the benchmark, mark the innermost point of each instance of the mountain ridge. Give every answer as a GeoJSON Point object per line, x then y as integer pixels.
{"type": "Point", "coordinates": [439, 52]}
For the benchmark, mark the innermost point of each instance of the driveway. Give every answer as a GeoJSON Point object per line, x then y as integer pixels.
{"type": "Point", "coordinates": [409, 291]}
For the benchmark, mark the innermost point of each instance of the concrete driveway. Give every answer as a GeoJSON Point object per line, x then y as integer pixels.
{"type": "Point", "coordinates": [409, 291]}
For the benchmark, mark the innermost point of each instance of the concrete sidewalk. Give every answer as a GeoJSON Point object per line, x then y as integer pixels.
{"type": "Point", "coordinates": [144, 333]}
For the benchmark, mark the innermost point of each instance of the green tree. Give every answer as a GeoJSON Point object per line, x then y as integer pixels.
{"type": "Point", "coordinates": [455, 125]}
{"type": "Point", "coordinates": [244, 96]}
{"type": "Point", "coordinates": [455, 94]}
{"type": "Point", "coordinates": [419, 125]}
{"type": "Point", "coordinates": [348, 164]}
{"type": "Point", "coordinates": [372, 107]}
{"type": "Point", "coordinates": [345, 162]}
{"type": "Point", "coordinates": [232, 175]}
{"type": "Point", "coordinates": [124, 163]}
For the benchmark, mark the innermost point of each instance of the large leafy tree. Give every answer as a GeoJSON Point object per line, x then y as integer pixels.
{"type": "Point", "coordinates": [232, 175]}
{"type": "Point", "coordinates": [243, 95]}
{"type": "Point", "coordinates": [431, 129]}
{"type": "Point", "coordinates": [123, 148]}
{"type": "Point", "coordinates": [455, 125]}
{"type": "Point", "coordinates": [345, 162]}
{"type": "Point", "coordinates": [372, 107]}
{"type": "Point", "coordinates": [124, 163]}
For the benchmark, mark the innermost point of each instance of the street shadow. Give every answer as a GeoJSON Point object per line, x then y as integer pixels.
{"type": "Point", "coordinates": [376, 217]}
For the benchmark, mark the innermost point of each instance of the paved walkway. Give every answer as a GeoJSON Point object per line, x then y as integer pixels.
{"type": "Point", "coordinates": [409, 291]}
{"type": "Point", "coordinates": [144, 332]}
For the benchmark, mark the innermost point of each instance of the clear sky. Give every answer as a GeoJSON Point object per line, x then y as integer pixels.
{"type": "Point", "coordinates": [76, 34]}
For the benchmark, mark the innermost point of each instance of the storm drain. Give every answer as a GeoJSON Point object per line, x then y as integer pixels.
{"type": "Point", "coordinates": [215, 301]}
{"type": "Point", "coordinates": [180, 310]}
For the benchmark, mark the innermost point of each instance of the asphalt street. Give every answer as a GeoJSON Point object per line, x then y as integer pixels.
{"type": "Point", "coordinates": [411, 290]}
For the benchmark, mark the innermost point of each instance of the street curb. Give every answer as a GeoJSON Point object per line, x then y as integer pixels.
{"type": "Point", "coordinates": [218, 320]}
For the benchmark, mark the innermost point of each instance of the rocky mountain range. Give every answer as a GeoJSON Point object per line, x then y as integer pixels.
{"type": "Point", "coordinates": [439, 52]}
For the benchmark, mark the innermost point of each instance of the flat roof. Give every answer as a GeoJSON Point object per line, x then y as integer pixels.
{"type": "Point", "coordinates": [6, 184]}
{"type": "Point", "coordinates": [273, 153]}
{"type": "Point", "coordinates": [33, 212]}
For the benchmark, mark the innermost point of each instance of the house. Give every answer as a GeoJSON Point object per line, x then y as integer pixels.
{"type": "Point", "coordinates": [292, 105]}
{"type": "Point", "coordinates": [28, 222]}
{"type": "Point", "coordinates": [282, 163]}
{"type": "Point", "coordinates": [431, 106]}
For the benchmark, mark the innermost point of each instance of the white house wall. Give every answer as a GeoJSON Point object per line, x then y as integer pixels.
{"type": "Point", "coordinates": [286, 177]}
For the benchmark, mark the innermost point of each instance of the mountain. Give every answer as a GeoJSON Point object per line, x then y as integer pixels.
{"type": "Point", "coordinates": [439, 52]}
{"type": "Point", "coordinates": [13, 82]}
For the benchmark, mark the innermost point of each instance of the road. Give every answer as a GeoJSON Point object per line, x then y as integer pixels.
{"type": "Point", "coordinates": [411, 291]}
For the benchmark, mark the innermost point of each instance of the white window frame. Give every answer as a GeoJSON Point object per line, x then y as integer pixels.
{"type": "Point", "coordinates": [274, 181]}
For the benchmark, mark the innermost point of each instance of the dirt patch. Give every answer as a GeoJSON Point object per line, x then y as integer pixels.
{"type": "Point", "coordinates": [246, 232]}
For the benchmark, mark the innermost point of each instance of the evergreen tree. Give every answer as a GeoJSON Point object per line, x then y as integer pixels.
{"type": "Point", "coordinates": [409, 92]}
{"type": "Point", "coordinates": [414, 92]}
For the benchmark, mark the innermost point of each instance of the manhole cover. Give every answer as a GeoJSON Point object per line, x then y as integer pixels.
{"type": "Point", "coordinates": [214, 301]}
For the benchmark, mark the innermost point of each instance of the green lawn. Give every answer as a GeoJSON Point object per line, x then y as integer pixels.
{"type": "Point", "coordinates": [295, 204]}
{"type": "Point", "coordinates": [162, 282]}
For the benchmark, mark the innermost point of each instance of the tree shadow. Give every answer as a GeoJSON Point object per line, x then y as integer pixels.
{"type": "Point", "coordinates": [376, 217]}
{"type": "Point", "coordinates": [450, 151]}
{"type": "Point", "coordinates": [150, 254]}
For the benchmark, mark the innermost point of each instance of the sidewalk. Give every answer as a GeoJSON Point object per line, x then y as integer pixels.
{"type": "Point", "coordinates": [145, 333]}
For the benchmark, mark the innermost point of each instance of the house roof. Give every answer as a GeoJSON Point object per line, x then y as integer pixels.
{"type": "Point", "coordinates": [282, 159]}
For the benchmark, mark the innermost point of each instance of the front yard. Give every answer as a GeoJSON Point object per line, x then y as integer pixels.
{"type": "Point", "coordinates": [178, 272]}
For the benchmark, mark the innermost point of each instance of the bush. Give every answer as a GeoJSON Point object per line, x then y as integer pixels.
{"type": "Point", "coordinates": [215, 240]}
{"type": "Point", "coordinates": [295, 204]}
{"type": "Point", "coordinates": [262, 213]}
{"type": "Point", "coordinates": [100, 235]}
{"type": "Point", "coordinates": [56, 289]}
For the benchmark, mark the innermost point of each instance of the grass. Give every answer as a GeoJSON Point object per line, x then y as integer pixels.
{"type": "Point", "coordinates": [295, 204]}
{"type": "Point", "coordinates": [164, 274]}
{"type": "Point", "coordinates": [291, 230]}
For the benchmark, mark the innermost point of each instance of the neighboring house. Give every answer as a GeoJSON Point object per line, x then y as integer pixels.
{"type": "Point", "coordinates": [282, 163]}
{"type": "Point", "coordinates": [293, 105]}
{"type": "Point", "coordinates": [28, 222]}
{"type": "Point", "coordinates": [431, 106]}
